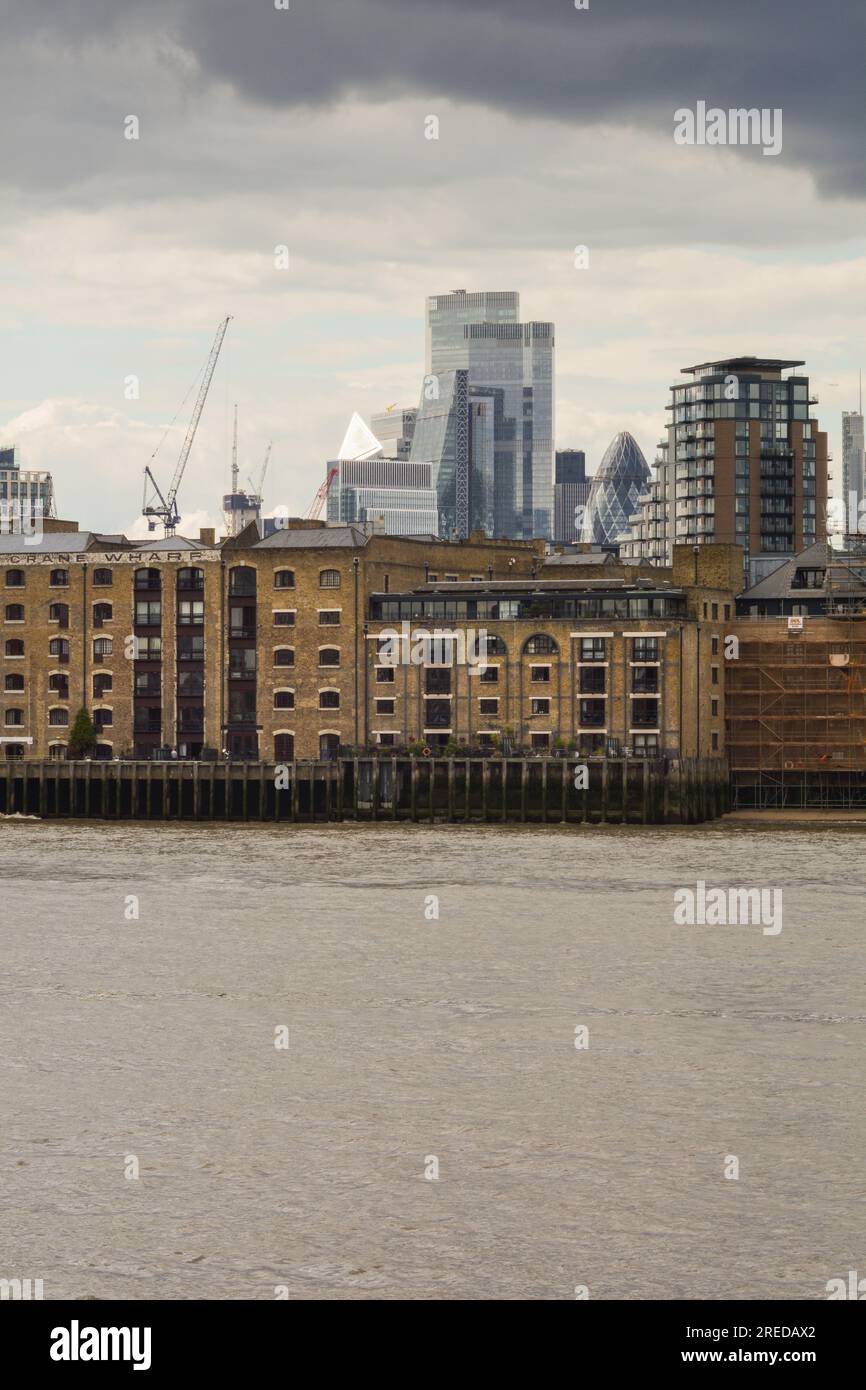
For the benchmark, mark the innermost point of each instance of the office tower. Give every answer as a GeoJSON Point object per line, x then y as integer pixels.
{"type": "Point", "coordinates": [570, 495]}
{"type": "Point", "coordinates": [393, 495]}
{"type": "Point", "coordinates": [622, 479]}
{"type": "Point", "coordinates": [485, 419]}
{"type": "Point", "coordinates": [852, 470]}
{"type": "Point", "coordinates": [26, 495]}
{"type": "Point", "coordinates": [394, 429]}
{"type": "Point", "coordinates": [743, 462]}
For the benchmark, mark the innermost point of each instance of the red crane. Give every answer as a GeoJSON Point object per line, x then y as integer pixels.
{"type": "Point", "coordinates": [320, 498]}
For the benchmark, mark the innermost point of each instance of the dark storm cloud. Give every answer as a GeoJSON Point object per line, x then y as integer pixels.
{"type": "Point", "coordinates": [620, 61]}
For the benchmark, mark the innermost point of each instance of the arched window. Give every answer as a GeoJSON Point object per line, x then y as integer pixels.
{"type": "Point", "coordinates": [15, 612]}
{"type": "Point", "coordinates": [329, 579]}
{"type": "Point", "coordinates": [102, 683]}
{"type": "Point", "coordinates": [103, 752]}
{"type": "Point", "coordinates": [14, 751]}
{"type": "Point", "coordinates": [59, 613]}
{"type": "Point", "coordinates": [59, 579]}
{"type": "Point", "coordinates": [242, 582]}
{"type": "Point", "coordinates": [284, 747]}
{"type": "Point", "coordinates": [102, 718]}
{"type": "Point", "coordinates": [284, 656]}
{"type": "Point", "coordinates": [540, 645]}
{"type": "Point", "coordinates": [329, 699]}
{"type": "Point", "coordinates": [14, 579]}
{"type": "Point", "coordinates": [15, 681]}
{"type": "Point", "coordinates": [190, 578]}
{"type": "Point", "coordinates": [147, 579]}
{"type": "Point", "coordinates": [14, 718]}
{"type": "Point", "coordinates": [58, 684]}
{"type": "Point", "coordinates": [494, 645]}
{"type": "Point", "coordinates": [102, 613]}
{"type": "Point", "coordinates": [57, 751]}
{"type": "Point", "coordinates": [102, 578]}
{"type": "Point", "coordinates": [284, 579]}
{"type": "Point", "coordinates": [329, 656]}
{"type": "Point", "coordinates": [102, 646]}
{"type": "Point", "coordinates": [15, 647]}
{"type": "Point", "coordinates": [284, 699]}
{"type": "Point", "coordinates": [58, 717]}
{"type": "Point", "coordinates": [58, 647]}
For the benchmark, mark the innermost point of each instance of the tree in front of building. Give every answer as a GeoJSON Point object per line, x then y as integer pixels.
{"type": "Point", "coordinates": [82, 737]}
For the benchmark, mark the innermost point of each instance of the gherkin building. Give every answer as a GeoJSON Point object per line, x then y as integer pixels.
{"type": "Point", "coordinates": [622, 477]}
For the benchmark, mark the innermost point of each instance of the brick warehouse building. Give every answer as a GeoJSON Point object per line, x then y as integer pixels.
{"type": "Point", "coordinates": [252, 646]}
{"type": "Point", "coordinates": [266, 648]}
{"type": "Point", "coordinates": [610, 664]}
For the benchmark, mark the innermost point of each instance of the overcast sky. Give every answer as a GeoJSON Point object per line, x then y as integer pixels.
{"type": "Point", "coordinates": [306, 128]}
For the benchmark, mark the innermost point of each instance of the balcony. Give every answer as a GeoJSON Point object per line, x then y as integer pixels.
{"type": "Point", "coordinates": [245, 631]}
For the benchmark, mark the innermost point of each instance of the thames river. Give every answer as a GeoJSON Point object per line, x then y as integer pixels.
{"type": "Point", "coordinates": [253, 1062]}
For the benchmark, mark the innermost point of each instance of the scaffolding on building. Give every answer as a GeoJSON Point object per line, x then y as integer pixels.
{"type": "Point", "coordinates": [796, 707]}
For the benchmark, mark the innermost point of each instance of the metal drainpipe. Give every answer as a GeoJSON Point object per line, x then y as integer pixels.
{"type": "Point", "coordinates": [84, 626]}
{"type": "Point", "coordinates": [356, 565]}
{"type": "Point", "coordinates": [222, 673]}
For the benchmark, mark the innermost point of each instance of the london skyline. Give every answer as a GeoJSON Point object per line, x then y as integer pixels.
{"type": "Point", "coordinates": [309, 131]}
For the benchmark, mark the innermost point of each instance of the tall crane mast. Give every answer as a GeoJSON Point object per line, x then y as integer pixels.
{"type": "Point", "coordinates": [256, 491]}
{"type": "Point", "coordinates": [166, 507]}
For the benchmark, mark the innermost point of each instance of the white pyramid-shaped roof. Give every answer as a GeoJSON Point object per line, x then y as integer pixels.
{"type": "Point", "coordinates": [359, 441]}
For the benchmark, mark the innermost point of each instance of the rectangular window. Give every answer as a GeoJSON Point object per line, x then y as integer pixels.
{"type": "Point", "coordinates": [539, 673]}
{"type": "Point", "coordinates": [644, 714]}
{"type": "Point", "coordinates": [714, 674]}
{"type": "Point", "coordinates": [148, 613]}
{"type": "Point", "coordinates": [385, 675]}
{"type": "Point", "coordinates": [329, 617]}
{"type": "Point", "coordinates": [190, 611]}
{"type": "Point", "coordinates": [714, 708]}
{"type": "Point", "coordinates": [488, 706]}
{"type": "Point", "coordinates": [285, 617]}
{"type": "Point", "coordinates": [541, 706]}
{"type": "Point", "coordinates": [592, 714]}
{"type": "Point", "coordinates": [645, 680]}
{"type": "Point", "coordinates": [384, 706]}
{"type": "Point", "coordinates": [490, 675]}
{"type": "Point", "coordinates": [592, 648]}
{"type": "Point", "coordinates": [645, 648]}
{"type": "Point", "coordinates": [592, 680]}
{"type": "Point", "coordinates": [715, 645]}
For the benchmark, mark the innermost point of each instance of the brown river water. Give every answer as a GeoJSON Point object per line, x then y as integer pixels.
{"type": "Point", "coordinates": [147, 1044]}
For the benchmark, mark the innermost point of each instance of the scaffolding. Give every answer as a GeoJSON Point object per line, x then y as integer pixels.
{"type": "Point", "coordinates": [796, 709]}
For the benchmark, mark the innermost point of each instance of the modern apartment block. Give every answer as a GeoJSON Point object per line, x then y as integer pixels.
{"type": "Point", "coordinates": [486, 416]}
{"type": "Point", "coordinates": [26, 495]}
{"type": "Point", "coordinates": [570, 495]}
{"type": "Point", "coordinates": [743, 463]}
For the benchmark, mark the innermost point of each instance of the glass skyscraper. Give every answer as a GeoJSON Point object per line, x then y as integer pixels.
{"type": "Point", "coordinates": [485, 419]}
{"type": "Point", "coordinates": [622, 478]}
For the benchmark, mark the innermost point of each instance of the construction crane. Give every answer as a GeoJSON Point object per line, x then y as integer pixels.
{"type": "Point", "coordinates": [257, 491]}
{"type": "Point", "coordinates": [320, 498]}
{"type": "Point", "coordinates": [165, 508]}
